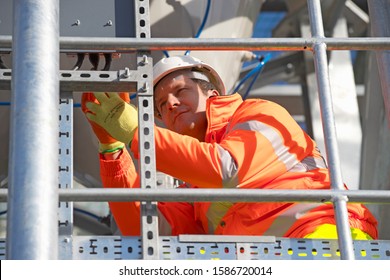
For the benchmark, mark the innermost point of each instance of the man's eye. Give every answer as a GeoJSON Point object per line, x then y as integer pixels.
{"type": "Point", "coordinates": [161, 107]}
{"type": "Point", "coordinates": [181, 91]}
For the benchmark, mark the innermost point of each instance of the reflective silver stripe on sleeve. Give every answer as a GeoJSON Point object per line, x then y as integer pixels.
{"type": "Point", "coordinates": [291, 162]}
{"type": "Point", "coordinates": [229, 169]}
{"type": "Point", "coordinates": [286, 219]}
{"type": "Point", "coordinates": [277, 142]}
{"type": "Point", "coordinates": [309, 163]}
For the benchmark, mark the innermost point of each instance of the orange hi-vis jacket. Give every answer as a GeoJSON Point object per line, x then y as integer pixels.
{"type": "Point", "coordinates": [248, 144]}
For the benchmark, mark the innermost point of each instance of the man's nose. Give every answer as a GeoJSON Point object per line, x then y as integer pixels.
{"type": "Point", "coordinates": [172, 102]}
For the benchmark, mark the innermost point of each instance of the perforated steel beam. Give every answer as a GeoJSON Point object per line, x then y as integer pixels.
{"type": "Point", "coordinates": [147, 161]}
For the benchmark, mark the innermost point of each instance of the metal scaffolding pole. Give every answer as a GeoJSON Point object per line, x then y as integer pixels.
{"type": "Point", "coordinates": [107, 44]}
{"type": "Point", "coordinates": [237, 195]}
{"type": "Point", "coordinates": [32, 225]}
{"type": "Point", "coordinates": [328, 123]}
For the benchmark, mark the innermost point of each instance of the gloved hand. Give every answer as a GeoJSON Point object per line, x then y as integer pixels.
{"type": "Point", "coordinates": [117, 117]}
{"type": "Point", "coordinates": [107, 144]}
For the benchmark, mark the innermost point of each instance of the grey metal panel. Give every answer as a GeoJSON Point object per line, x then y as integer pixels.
{"type": "Point", "coordinates": [113, 18]}
{"type": "Point", "coordinates": [375, 174]}
{"type": "Point", "coordinates": [380, 22]}
{"type": "Point", "coordinates": [6, 17]}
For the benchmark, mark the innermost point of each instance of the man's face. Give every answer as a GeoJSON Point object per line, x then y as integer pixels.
{"type": "Point", "coordinates": [182, 104]}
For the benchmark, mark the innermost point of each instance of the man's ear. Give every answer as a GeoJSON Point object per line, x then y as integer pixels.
{"type": "Point", "coordinates": [213, 92]}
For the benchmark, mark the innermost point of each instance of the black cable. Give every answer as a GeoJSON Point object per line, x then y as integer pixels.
{"type": "Point", "coordinates": [106, 220]}
{"type": "Point", "coordinates": [2, 64]}
{"type": "Point", "coordinates": [94, 59]}
{"type": "Point", "coordinates": [79, 62]}
{"type": "Point", "coordinates": [108, 58]}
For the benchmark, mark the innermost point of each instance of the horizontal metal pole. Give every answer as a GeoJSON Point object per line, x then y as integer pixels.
{"type": "Point", "coordinates": [88, 44]}
{"type": "Point", "coordinates": [235, 195]}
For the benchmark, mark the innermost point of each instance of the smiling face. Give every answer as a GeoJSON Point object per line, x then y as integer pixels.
{"type": "Point", "coordinates": [181, 104]}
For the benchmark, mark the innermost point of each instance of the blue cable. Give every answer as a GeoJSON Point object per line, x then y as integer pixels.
{"type": "Point", "coordinates": [252, 83]}
{"type": "Point", "coordinates": [247, 76]}
{"type": "Point", "coordinates": [166, 53]}
{"type": "Point", "coordinates": [262, 63]}
{"type": "Point", "coordinates": [134, 95]}
{"type": "Point", "coordinates": [202, 25]}
{"type": "Point", "coordinates": [256, 72]}
{"type": "Point", "coordinates": [88, 213]}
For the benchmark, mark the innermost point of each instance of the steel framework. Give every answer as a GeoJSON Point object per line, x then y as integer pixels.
{"type": "Point", "coordinates": [35, 188]}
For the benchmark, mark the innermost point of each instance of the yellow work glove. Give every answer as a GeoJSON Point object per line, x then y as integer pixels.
{"type": "Point", "coordinates": [107, 144]}
{"type": "Point", "coordinates": [117, 117]}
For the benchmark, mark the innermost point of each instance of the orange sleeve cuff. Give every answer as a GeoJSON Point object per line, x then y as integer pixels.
{"type": "Point", "coordinates": [117, 167]}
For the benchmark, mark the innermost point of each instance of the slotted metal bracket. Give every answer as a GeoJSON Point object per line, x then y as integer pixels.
{"type": "Point", "coordinates": [147, 162]}
{"type": "Point", "coordinates": [65, 209]}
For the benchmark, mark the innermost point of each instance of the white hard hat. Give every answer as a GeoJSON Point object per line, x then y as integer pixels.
{"type": "Point", "coordinates": [174, 63]}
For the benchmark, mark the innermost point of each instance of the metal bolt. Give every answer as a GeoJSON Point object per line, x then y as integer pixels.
{"type": "Point", "coordinates": [109, 23]}
{"type": "Point", "coordinates": [66, 240]}
{"type": "Point", "coordinates": [76, 23]}
{"type": "Point", "coordinates": [289, 68]}
{"type": "Point", "coordinates": [144, 60]}
{"type": "Point", "coordinates": [144, 88]}
{"type": "Point", "coordinates": [126, 74]}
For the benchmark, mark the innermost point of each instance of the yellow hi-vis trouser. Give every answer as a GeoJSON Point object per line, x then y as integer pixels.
{"type": "Point", "coordinates": [329, 231]}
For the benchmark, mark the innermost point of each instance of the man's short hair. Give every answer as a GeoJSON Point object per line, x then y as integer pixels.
{"type": "Point", "coordinates": [204, 85]}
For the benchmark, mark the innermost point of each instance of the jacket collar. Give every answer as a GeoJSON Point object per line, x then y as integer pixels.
{"type": "Point", "coordinates": [219, 110]}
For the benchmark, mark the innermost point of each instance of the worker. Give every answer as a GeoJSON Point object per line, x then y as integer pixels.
{"type": "Point", "coordinates": [214, 140]}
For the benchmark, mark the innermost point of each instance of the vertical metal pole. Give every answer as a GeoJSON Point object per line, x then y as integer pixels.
{"type": "Point", "coordinates": [328, 123]}
{"type": "Point", "coordinates": [147, 162]}
{"type": "Point", "coordinates": [32, 231]}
